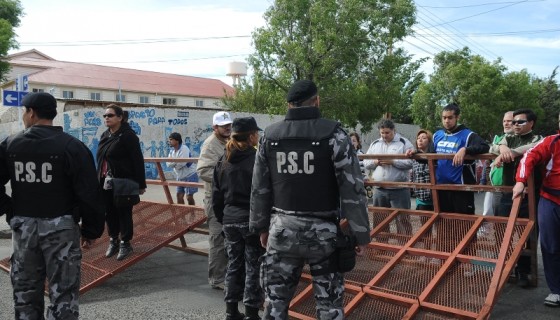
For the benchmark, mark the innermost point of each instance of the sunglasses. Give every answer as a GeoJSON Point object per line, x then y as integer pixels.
{"type": "Point", "coordinates": [519, 122]}
{"type": "Point", "coordinates": [109, 115]}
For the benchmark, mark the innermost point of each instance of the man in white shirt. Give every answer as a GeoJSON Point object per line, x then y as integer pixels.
{"type": "Point", "coordinates": [184, 171]}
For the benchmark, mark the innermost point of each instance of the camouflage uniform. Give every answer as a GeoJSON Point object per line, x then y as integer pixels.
{"type": "Point", "coordinates": [54, 186]}
{"type": "Point", "coordinates": [51, 248]}
{"type": "Point", "coordinates": [298, 237]}
{"type": "Point", "coordinates": [242, 276]}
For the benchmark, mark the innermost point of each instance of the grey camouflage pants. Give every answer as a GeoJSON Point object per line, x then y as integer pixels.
{"type": "Point", "coordinates": [45, 249]}
{"type": "Point", "coordinates": [292, 242]}
{"type": "Point", "coordinates": [242, 276]}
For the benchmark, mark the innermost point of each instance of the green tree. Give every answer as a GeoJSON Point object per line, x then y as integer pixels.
{"type": "Point", "coordinates": [549, 100]}
{"type": "Point", "coordinates": [483, 90]}
{"type": "Point", "coordinates": [345, 47]}
{"type": "Point", "coordinates": [10, 13]}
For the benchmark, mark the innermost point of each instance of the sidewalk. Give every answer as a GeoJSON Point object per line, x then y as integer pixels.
{"type": "Point", "coordinates": [171, 284]}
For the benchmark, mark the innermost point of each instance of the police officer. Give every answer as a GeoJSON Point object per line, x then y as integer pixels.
{"type": "Point", "coordinates": [54, 186]}
{"type": "Point", "coordinates": [231, 193]}
{"type": "Point", "coordinates": [306, 172]}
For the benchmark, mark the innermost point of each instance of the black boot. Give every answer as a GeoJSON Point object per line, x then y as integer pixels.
{"type": "Point", "coordinates": [124, 250]}
{"type": "Point", "coordinates": [232, 313]}
{"type": "Point", "coordinates": [113, 247]}
{"type": "Point", "coordinates": [251, 313]}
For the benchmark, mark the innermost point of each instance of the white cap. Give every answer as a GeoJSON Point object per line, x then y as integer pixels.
{"type": "Point", "coordinates": [221, 118]}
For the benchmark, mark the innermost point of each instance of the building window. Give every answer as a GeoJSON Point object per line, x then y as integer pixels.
{"type": "Point", "coordinates": [144, 99]}
{"type": "Point", "coordinates": [67, 94]}
{"type": "Point", "coordinates": [95, 96]}
{"type": "Point", "coordinates": [170, 101]}
{"type": "Point", "coordinates": [199, 103]}
{"type": "Point", "coordinates": [120, 97]}
{"type": "Point", "coordinates": [38, 90]}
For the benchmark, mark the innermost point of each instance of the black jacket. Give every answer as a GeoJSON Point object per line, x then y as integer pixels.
{"type": "Point", "coordinates": [231, 187]}
{"type": "Point", "coordinates": [122, 152]}
{"type": "Point", "coordinates": [49, 187]}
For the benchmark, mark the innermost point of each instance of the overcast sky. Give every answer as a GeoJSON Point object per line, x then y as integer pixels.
{"type": "Point", "coordinates": [200, 38]}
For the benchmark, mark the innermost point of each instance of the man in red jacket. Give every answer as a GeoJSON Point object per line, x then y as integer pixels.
{"type": "Point", "coordinates": [546, 152]}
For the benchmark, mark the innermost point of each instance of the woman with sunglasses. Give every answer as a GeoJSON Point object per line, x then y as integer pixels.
{"type": "Point", "coordinates": [119, 155]}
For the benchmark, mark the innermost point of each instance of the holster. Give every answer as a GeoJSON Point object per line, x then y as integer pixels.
{"type": "Point", "coordinates": [345, 252]}
{"type": "Point", "coordinates": [343, 259]}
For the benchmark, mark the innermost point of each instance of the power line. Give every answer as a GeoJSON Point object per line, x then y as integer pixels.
{"type": "Point", "coordinates": [485, 12]}
{"type": "Point", "coordinates": [474, 5]}
{"type": "Point", "coordinates": [496, 34]}
{"type": "Point", "coordinates": [465, 38]}
{"type": "Point", "coordinates": [172, 60]}
{"type": "Point", "coordinates": [123, 42]}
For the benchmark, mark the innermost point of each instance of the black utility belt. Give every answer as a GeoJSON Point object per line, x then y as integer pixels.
{"type": "Point", "coordinates": [333, 219]}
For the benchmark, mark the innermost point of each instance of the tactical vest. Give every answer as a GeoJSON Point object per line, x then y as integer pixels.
{"type": "Point", "coordinates": [40, 185]}
{"type": "Point", "coordinates": [301, 166]}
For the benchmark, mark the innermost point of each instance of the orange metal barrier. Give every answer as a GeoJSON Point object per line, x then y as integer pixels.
{"type": "Point", "coordinates": [155, 225]}
{"type": "Point", "coordinates": [439, 266]}
{"type": "Point", "coordinates": [430, 265]}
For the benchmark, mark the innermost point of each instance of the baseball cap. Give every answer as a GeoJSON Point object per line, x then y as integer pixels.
{"type": "Point", "coordinates": [301, 90]}
{"type": "Point", "coordinates": [246, 124]}
{"type": "Point", "coordinates": [39, 100]}
{"type": "Point", "coordinates": [221, 118]}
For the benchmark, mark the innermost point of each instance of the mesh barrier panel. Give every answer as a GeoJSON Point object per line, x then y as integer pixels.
{"type": "Point", "coordinates": [410, 276]}
{"type": "Point", "coordinates": [464, 287]}
{"type": "Point", "coordinates": [445, 273]}
{"type": "Point", "coordinates": [155, 225]}
{"type": "Point", "coordinates": [426, 315]}
{"type": "Point", "coordinates": [374, 308]}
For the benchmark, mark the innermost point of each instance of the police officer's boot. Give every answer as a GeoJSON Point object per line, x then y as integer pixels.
{"type": "Point", "coordinates": [232, 313]}
{"type": "Point", "coordinates": [124, 250]}
{"type": "Point", "coordinates": [251, 313]}
{"type": "Point", "coordinates": [113, 247]}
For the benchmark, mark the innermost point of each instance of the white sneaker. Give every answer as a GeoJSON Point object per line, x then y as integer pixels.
{"type": "Point", "coordinates": [553, 300]}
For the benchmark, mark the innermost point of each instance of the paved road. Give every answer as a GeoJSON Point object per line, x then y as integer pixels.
{"type": "Point", "coordinates": [172, 285]}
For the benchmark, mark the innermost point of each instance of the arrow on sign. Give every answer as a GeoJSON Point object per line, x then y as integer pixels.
{"type": "Point", "coordinates": [10, 99]}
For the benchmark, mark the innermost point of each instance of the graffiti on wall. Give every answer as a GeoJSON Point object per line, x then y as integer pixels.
{"type": "Point", "coordinates": [151, 125]}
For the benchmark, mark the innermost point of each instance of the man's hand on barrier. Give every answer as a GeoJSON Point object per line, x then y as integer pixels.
{"type": "Point", "coordinates": [459, 157]}
{"type": "Point", "coordinates": [518, 189]}
{"type": "Point", "coordinates": [361, 250]}
{"type": "Point", "coordinates": [409, 153]}
{"type": "Point", "coordinates": [264, 239]}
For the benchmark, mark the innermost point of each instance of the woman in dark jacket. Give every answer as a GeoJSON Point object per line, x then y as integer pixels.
{"type": "Point", "coordinates": [231, 193]}
{"type": "Point", "coordinates": [119, 156]}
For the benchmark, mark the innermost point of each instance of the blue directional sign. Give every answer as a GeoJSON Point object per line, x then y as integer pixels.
{"type": "Point", "coordinates": [25, 83]}
{"type": "Point", "coordinates": [12, 98]}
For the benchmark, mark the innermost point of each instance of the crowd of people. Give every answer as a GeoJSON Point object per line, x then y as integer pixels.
{"type": "Point", "coordinates": [274, 200]}
{"type": "Point", "coordinates": [511, 148]}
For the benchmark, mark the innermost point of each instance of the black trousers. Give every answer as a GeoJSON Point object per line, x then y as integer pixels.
{"type": "Point", "coordinates": [456, 201]}
{"type": "Point", "coordinates": [119, 220]}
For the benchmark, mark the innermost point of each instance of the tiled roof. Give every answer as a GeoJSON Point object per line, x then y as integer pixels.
{"type": "Point", "coordinates": [73, 74]}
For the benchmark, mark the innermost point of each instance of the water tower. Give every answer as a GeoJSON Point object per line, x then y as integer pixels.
{"type": "Point", "coordinates": [236, 70]}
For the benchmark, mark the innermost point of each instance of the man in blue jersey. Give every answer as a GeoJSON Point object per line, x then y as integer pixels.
{"type": "Point", "coordinates": [460, 140]}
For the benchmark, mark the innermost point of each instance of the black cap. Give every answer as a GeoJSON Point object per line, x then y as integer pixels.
{"type": "Point", "coordinates": [301, 90]}
{"type": "Point", "coordinates": [39, 100]}
{"type": "Point", "coordinates": [244, 125]}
